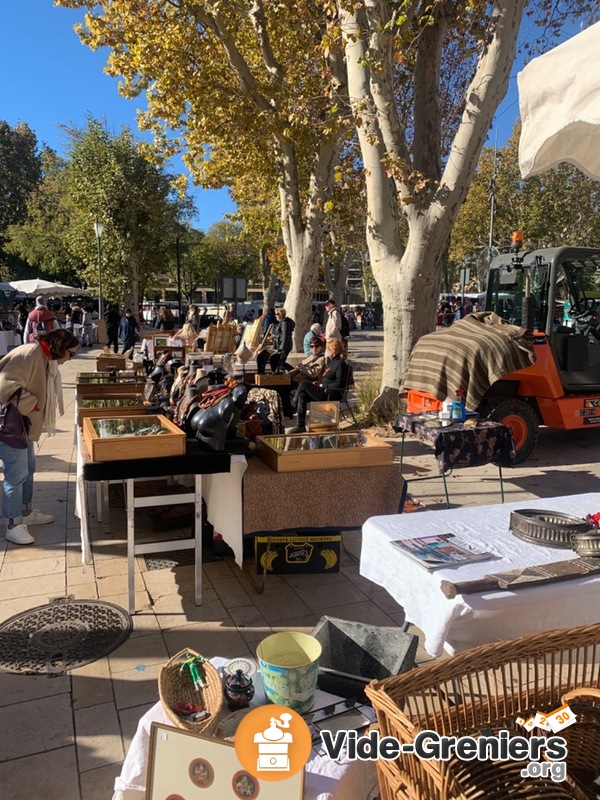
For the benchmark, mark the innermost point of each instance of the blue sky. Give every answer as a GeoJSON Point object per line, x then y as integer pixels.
{"type": "Point", "coordinates": [47, 77]}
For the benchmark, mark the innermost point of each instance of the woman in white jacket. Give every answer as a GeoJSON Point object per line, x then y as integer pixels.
{"type": "Point", "coordinates": [29, 368]}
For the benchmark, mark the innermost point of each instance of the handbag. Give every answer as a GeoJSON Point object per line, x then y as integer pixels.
{"type": "Point", "coordinates": [13, 431]}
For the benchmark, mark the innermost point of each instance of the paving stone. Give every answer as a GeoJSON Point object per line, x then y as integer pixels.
{"type": "Point", "coordinates": [98, 737]}
{"type": "Point", "coordinates": [24, 688]}
{"type": "Point", "coordinates": [135, 687]}
{"type": "Point", "coordinates": [36, 726]}
{"type": "Point", "coordinates": [51, 776]}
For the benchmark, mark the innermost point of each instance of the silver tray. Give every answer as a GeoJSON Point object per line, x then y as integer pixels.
{"type": "Point", "coordinates": [547, 528]}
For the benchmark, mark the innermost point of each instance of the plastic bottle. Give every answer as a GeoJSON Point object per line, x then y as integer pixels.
{"type": "Point", "coordinates": [458, 412]}
{"type": "Point", "coordinates": [446, 412]}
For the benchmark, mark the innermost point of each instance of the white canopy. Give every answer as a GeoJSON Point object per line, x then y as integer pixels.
{"type": "Point", "coordinates": [38, 286]}
{"type": "Point", "coordinates": [559, 98]}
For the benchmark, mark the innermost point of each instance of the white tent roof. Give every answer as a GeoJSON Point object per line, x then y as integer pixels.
{"type": "Point", "coordinates": [559, 98]}
{"type": "Point", "coordinates": [38, 286]}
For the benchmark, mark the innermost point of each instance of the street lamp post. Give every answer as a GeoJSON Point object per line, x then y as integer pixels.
{"type": "Point", "coordinates": [99, 229]}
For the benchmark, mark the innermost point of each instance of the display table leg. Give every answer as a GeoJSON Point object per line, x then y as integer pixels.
{"type": "Point", "coordinates": [194, 497]}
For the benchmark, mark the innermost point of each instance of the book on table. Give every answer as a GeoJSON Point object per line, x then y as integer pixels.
{"type": "Point", "coordinates": [441, 550]}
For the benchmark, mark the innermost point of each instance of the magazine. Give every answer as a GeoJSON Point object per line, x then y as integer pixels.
{"type": "Point", "coordinates": [441, 550]}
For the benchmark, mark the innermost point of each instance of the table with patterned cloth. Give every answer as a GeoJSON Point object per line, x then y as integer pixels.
{"type": "Point", "coordinates": [460, 445]}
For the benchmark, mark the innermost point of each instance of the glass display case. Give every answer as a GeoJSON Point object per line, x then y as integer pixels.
{"type": "Point", "coordinates": [323, 416]}
{"type": "Point", "coordinates": [122, 405]}
{"type": "Point", "coordinates": [107, 384]}
{"type": "Point", "coordinates": [306, 451]}
{"type": "Point", "coordinates": [124, 438]}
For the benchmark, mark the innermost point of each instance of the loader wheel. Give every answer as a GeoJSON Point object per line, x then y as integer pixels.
{"type": "Point", "coordinates": [521, 419]}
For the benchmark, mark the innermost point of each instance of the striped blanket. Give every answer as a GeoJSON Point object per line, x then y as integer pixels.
{"type": "Point", "coordinates": [470, 355]}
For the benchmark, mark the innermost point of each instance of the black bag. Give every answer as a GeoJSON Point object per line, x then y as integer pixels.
{"type": "Point", "coordinates": [13, 431]}
{"type": "Point", "coordinates": [345, 327]}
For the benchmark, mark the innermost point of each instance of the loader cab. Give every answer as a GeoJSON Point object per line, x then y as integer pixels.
{"type": "Point", "coordinates": [563, 286]}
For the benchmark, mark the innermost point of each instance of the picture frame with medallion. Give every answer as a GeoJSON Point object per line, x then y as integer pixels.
{"type": "Point", "coordinates": [181, 762]}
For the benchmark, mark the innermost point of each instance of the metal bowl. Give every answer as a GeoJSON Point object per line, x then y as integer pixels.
{"type": "Point", "coordinates": [547, 528]}
{"type": "Point", "coordinates": [587, 544]}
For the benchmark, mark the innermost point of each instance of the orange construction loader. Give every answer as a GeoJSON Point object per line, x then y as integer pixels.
{"type": "Point", "coordinates": [556, 294]}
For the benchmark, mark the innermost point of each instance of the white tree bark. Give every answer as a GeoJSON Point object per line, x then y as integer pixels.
{"type": "Point", "coordinates": [412, 182]}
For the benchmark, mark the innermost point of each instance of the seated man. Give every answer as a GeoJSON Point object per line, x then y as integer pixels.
{"type": "Point", "coordinates": [330, 387]}
{"type": "Point", "coordinates": [312, 367]}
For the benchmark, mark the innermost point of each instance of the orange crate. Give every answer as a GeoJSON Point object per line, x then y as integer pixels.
{"type": "Point", "coordinates": [417, 402]}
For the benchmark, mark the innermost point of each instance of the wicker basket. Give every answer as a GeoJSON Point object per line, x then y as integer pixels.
{"type": "Point", "coordinates": [486, 688]}
{"type": "Point", "coordinates": [175, 686]}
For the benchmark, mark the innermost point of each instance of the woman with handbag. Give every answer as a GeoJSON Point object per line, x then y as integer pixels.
{"type": "Point", "coordinates": [28, 378]}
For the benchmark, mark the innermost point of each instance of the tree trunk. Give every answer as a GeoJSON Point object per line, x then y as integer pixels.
{"type": "Point", "coordinates": [303, 281]}
{"type": "Point", "coordinates": [409, 290]}
{"type": "Point", "coordinates": [302, 230]}
{"type": "Point", "coordinates": [410, 279]}
{"type": "Point", "coordinates": [270, 282]}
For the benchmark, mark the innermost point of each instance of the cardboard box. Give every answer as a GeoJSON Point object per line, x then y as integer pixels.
{"type": "Point", "coordinates": [127, 446]}
{"type": "Point", "coordinates": [297, 553]}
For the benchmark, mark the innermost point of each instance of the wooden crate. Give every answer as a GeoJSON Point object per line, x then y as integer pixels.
{"type": "Point", "coordinates": [105, 362]}
{"type": "Point", "coordinates": [128, 446]}
{"type": "Point", "coordinates": [282, 453]}
{"type": "Point", "coordinates": [281, 379]}
{"type": "Point", "coordinates": [110, 389]}
{"type": "Point", "coordinates": [97, 413]}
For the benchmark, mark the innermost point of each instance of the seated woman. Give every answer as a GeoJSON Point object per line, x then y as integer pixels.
{"type": "Point", "coordinates": [330, 387]}
{"type": "Point", "coordinates": [315, 330]}
{"type": "Point", "coordinates": [312, 367]}
{"type": "Point", "coordinates": [187, 334]}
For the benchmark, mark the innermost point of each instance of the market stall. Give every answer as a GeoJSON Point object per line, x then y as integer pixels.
{"type": "Point", "coordinates": [466, 620]}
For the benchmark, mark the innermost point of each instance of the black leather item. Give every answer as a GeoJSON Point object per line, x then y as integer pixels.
{"type": "Point", "coordinates": [13, 431]}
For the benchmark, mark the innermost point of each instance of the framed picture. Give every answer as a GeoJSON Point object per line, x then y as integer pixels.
{"type": "Point", "coordinates": [161, 341]}
{"type": "Point", "coordinates": [180, 762]}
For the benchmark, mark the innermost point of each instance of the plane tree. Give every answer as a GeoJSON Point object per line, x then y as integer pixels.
{"type": "Point", "coordinates": [20, 174]}
{"type": "Point", "coordinates": [244, 89]}
{"type": "Point", "coordinates": [424, 79]}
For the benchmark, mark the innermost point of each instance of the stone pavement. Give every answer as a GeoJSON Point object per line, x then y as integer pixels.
{"type": "Point", "coordinates": [64, 738]}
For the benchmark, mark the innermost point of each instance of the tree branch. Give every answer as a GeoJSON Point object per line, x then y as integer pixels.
{"type": "Point", "coordinates": [259, 23]}
{"type": "Point", "coordinates": [248, 84]}
{"type": "Point", "coordinates": [484, 94]}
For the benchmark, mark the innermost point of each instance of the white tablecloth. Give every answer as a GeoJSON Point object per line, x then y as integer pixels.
{"type": "Point", "coordinates": [472, 619]}
{"type": "Point", "coordinates": [323, 779]}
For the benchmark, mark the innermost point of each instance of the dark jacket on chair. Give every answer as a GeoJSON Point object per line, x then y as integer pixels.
{"type": "Point", "coordinates": [335, 378]}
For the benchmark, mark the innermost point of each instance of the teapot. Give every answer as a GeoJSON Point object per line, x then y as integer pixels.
{"type": "Point", "coordinates": [239, 690]}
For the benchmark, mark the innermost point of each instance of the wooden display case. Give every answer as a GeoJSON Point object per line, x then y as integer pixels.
{"type": "Point", "coordinates": [123, 405]}
{"type": "Point", "coordinates": [95, 384]}
{"type": "Point", "coordinates": [280, 379]}
{"type": "Point", "coordinates": [106, 362]}
{"type": "Point", "coordinates": [120, 438]}
{"type": "Point", "coordinates": [306, 451]}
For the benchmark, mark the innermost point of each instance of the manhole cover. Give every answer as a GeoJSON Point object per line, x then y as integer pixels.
{"type": "Point", "coordinates": [62, 635]}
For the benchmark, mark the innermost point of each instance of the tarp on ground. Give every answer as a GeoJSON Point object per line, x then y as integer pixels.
{"type": "Point", "coordinates": [559, 99]}
{"type": "Point", "coordinates": [37, 286]}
